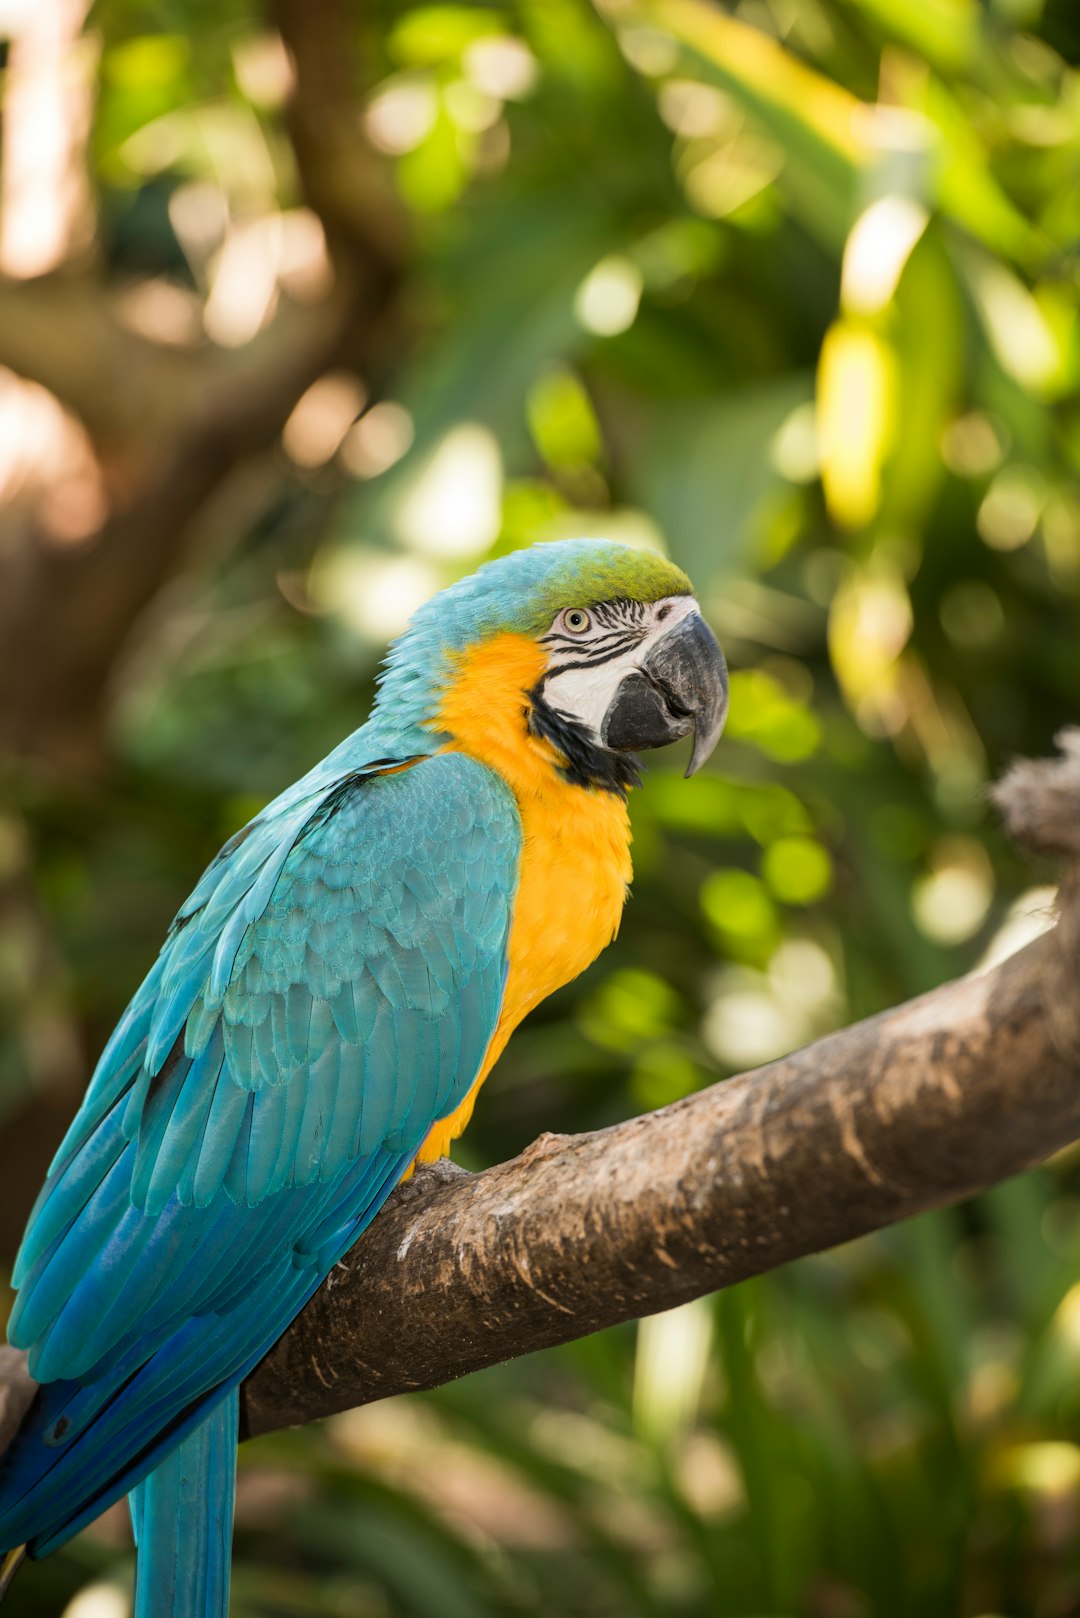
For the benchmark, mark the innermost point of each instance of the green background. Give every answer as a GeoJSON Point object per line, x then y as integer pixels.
{"type": "Point", "coordinates": [789, 290]}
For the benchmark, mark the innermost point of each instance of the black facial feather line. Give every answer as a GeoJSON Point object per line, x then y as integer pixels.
{"type": "Point", "coordinates": [587, 764]}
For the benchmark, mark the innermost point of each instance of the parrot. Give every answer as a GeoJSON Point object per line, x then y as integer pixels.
{"type": "Point", "coordinates": [322, 1013]}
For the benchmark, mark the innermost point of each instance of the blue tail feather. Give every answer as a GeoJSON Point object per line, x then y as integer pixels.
{"type": "Point", "coordinates": [182, 1515]}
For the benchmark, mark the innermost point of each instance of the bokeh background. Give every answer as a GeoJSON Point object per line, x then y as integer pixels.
{"type": "Point", "coordinates": [305, 309]}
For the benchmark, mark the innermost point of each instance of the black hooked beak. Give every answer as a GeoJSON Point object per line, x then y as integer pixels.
{"type": "Point", "coordinates": [681, 686]}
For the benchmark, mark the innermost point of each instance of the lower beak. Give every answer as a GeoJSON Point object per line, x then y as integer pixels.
{"type": "Point", "coordinates": [681, 686]}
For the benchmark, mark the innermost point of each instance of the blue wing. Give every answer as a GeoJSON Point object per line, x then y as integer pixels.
{"type": "Point", "coordinates": [327, 993]}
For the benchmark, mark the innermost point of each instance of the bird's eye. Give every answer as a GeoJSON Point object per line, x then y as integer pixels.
{"type": "Point", "coordinates": [576, 621]}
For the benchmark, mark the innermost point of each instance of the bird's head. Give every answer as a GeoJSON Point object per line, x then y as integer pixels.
{"type": "Point", "coordinates": [585, 647]}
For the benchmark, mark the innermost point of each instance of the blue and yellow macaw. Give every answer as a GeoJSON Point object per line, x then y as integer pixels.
{"type": "Point", "coordinates": [322, 1014]}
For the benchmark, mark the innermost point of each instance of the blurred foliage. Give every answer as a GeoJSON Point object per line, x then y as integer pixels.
{"type": "Point", "coordinates": [790, 289]}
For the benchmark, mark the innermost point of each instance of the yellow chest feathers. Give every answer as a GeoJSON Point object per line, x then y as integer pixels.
{"type": "Point", "coordinates": [575, 858]}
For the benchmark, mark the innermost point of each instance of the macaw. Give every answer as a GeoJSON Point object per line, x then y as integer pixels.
{"type": "Point", "coordinates": [322, 1013]}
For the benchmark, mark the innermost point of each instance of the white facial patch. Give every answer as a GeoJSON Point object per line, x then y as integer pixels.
{"type": "Point", "coordinates": [586, 692]}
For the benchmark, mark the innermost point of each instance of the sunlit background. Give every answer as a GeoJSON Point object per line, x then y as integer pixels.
{"type": "Point", "coordinates": [305, 311]}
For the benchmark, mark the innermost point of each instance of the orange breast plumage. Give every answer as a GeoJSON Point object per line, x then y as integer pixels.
{"type": "Point", "coordinates": [575, 859]}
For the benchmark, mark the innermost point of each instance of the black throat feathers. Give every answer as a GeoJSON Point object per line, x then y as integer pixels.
{"type": "Point", "coordinates": [587, 764]}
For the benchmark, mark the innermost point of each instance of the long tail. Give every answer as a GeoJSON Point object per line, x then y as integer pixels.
{"type": "Point", "coordinates": [182, 1515]}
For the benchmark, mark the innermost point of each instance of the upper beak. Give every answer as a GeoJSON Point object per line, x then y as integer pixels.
{"type": "Point", "coordinates": [681, 686]}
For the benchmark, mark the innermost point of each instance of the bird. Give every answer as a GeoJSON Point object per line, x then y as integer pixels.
{"type": "Point", "coordinates": [322, 1013]}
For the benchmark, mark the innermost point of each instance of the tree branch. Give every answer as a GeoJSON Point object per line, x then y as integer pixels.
{"type": "Point", "coordinates": [66, 611]}
{"type": "Point", "coordinates": [342, 180]}
{"type": "Point", "coordinates": [61, 331]}
{"type": "Point", "coordinates": [909, 1110]}
{"type": "Point", "coordinates": [167, 426]}
{"type": "Point", "coordinates": [927, 1104]}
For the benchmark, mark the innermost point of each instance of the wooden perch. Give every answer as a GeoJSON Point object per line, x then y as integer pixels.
{"type": "Point", "coordinates": [920, 1106]}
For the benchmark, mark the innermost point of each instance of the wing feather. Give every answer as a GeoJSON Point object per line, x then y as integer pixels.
{"type": "Point", "coordinates": [185, 1127]}
{"type": "Point", "coordinates": [328, 992]}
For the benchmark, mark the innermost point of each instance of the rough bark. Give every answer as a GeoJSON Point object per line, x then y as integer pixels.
{"type": "Point", "coordinates": [918, 1107]}
{"type": "Point", "coordinates": [914, 1108]}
